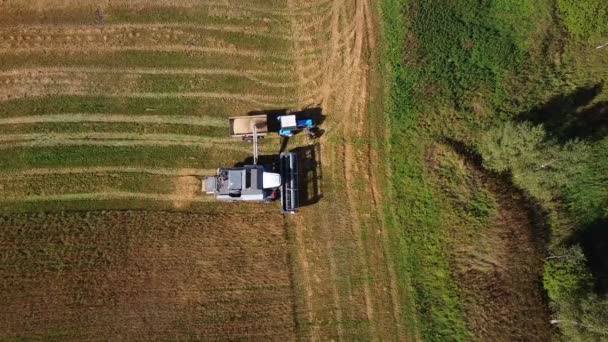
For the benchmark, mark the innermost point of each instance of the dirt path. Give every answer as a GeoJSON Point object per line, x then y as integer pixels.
{"type": "Point", "coordinates": [345, 213]}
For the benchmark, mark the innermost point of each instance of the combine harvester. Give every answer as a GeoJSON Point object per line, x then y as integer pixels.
{"type": "Point", "coordinates": [256, 183]}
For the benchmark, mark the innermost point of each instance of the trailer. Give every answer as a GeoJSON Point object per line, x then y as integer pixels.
{"type": "Point", "coordinates": [244, 126]}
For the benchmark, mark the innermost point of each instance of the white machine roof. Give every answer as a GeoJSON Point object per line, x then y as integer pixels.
{"type": "Point", "coordinates": [288, 121]}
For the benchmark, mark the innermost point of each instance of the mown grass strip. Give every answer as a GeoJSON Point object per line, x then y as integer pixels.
{"type": "Point", "coordinates": [270, 78]}
{"type": "Point", "coordinates": [9, 138]}
{"type": "Point", "coordinates": [105, 196]}
{"type": "Point", "coordinates": [23, 158]}
{"type": "Point", "coordinates": [85, 182]}
{"type": "Point", "coordinates": [116, 118]}
{"type": "Point", "coordinates": [254, 100]}
{"type": "Point", "coordinates": [177, 28]}
{"type": "Point", "coordinates": [107, 169]}
{"type": "Point", "coordinates": [91, 104]}
{"type": "Point", "coordinates": [61, 128]}
{"type": "Point", "coordinates": [124, 13]}
{"type": "Point", "coordinates": [250, 53]}
{"type": "Point", "coordinates": [57, 36]}
{"type": "Point", "coordinates": [140, 58]}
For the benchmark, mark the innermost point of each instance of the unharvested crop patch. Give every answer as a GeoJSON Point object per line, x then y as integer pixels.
{"type": "Point", "coordinates": [140, 275]}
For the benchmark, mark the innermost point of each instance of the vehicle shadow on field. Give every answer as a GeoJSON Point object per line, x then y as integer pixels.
{"type": "Point", "coordinates": [569, 116]}
{"type": "Point", "coordinates": [310, 174]}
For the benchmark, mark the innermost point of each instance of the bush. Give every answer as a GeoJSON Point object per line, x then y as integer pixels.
{"type": "Point", "coordinates": [584, 18]}
{"type": "Point", "coordinates": [509, 146]}
{"type": "Point", "coordinates": [566, 276]}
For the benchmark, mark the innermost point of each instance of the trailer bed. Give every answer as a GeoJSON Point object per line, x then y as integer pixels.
{"type": "Point", "coordinates": [242, 126]}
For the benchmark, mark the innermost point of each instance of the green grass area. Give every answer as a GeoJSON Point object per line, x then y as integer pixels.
{"type": "Point", "coordinates": [414, 232]}
{"type": "Point", "coordinates": [473, 72]}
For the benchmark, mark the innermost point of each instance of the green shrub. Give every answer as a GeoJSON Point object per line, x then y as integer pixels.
{"type": "Point", "coordinates": [584, 18]}
{"type": "Point", "coordinates": [566, 276]}
{"type": "Point", "coordinates": [586, 194]}
{"type": "Point", "coordinates": [541, 167]}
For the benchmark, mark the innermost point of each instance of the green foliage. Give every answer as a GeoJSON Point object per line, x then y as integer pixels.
{"type": "Point", "coordinates": [584, 18]}
{"type": "Point", "coordinates": [508, 53]}
{"type": "Point", "coordinates": [583, 321]}
{"type": "Point", "coordinates": [482, 206]}
{"type": "Point", "coordinates": [595, 315]}
{"type": "Point", "coordinates": [509, 145]}
{"type": "Point", "coordinates": [581, 314]}
{"type": "Point", "coordinates": [463, 48]}
{"type": "Point", "coordinates": [540, 166]}
{"type": "Point", "coordinates": [586, 194]}
{"type": "Point", "coordinates": [416, 234]}
{"type": "Point", "coordinates": [566, 275]}
{"type": "Point", "coordinates": [467, 46]}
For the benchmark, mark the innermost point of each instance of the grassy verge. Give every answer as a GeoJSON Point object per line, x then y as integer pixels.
{"type": "Point", "coordinates": [415, 233]}
{"type": "Point", "coordinates": [454, 72]}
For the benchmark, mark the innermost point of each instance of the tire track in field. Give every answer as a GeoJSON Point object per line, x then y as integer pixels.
{"type": "Point", "coordinates": [311, 9]}
{"type": "Point", "coordinates": [207, 121]}
{"type": "Point", "coordinates": [255, 76]}
{"type": "Point", "coordinates": [356, 79]}
{"type": "Point", "coordinates": [107, 169]}
{"type": "Point", "coordinates": [354, 102]}
{"type": "Point", "coordinates": [343, 93]}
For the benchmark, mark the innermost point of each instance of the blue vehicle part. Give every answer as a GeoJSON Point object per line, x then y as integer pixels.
{"type": "Point", "coordinates": [306, 123]}
{"type": "Point", "coordinates": [286, 132]}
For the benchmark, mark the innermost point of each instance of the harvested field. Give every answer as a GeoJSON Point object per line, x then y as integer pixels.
{"type": "Point", "coordinates": [122, 106]}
